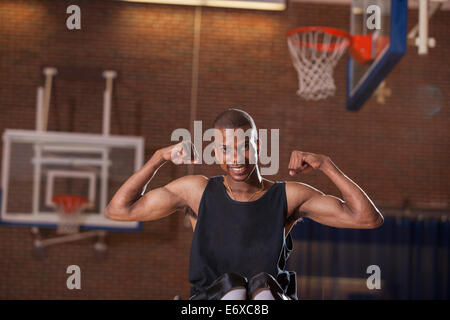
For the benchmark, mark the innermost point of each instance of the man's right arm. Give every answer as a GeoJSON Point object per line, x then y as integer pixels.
{"type": "Point", "coordinates": [128, 204]}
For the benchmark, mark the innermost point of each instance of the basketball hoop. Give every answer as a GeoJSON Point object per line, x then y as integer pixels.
{"type": "Point", "coordinates": [315, 52]}
{"type": "Point", "coordinates": [69, 207]}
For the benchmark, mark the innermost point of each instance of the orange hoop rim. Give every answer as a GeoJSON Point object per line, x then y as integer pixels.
{"type": "Point", "coordinates": [76, 202]}
{"type": "Point", "coordinates": [320, 46]}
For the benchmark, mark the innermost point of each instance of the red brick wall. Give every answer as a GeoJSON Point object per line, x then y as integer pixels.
{"type": "Point", "coordinates": [393, 151]}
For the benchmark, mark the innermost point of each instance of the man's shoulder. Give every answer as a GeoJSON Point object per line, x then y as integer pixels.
{"type": "Point", "coordinates": [298, 192]}
{"type": "Point", "coordinates": [194, 181]}
{"type": "Point", "coordinates": [297, 186]}
{"type": "Point", "coordinates": [190, 188]}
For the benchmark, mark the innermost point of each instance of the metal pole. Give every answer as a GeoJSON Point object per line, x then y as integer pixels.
{"type": "Point", "coordinates": [49, 73]}
{"type": "Point", "coordinates": [423, 27]}
{"type": "Point", "coordinates": [109, 75]}
{"type": "Point", "coordinates": [195, 68]}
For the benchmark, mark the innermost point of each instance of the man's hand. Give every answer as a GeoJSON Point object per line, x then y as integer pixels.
{"type": "Point", "coordinates": [183, 152]}
{"type": "Point", "coordinates": [305, 162]}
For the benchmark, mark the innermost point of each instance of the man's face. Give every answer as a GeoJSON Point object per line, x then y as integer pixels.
{"type": "Point", "coordinates": [236, 151]}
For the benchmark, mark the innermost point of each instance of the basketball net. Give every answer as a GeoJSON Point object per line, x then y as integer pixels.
{"type": "Point", "coordinates": [69, 208]}
{"type": "Point", "coordinates": [315, 52]}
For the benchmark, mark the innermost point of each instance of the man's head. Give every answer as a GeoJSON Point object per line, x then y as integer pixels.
{"type": "Point", "coordinates": [236, 143]}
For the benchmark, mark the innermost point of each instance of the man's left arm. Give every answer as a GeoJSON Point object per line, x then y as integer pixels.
{"type": "Point", "coordinates": [356, 210]}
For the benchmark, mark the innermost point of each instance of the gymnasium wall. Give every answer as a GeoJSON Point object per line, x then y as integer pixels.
{"type": "Point", "coordinates": [397, 151]}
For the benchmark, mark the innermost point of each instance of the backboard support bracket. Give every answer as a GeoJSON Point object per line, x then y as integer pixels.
{"type": "Point", "coordinates": [419, 35]}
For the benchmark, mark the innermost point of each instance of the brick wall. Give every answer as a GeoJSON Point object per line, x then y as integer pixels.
{"type": "Point", "coordinates": [394, 151]}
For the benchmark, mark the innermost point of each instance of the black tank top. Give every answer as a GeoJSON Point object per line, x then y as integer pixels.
{"type": "Point", "coordinates": [241, 237]}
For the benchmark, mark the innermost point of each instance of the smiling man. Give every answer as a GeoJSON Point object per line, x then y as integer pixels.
{"type": "Point", "coordinates": [242, 221]}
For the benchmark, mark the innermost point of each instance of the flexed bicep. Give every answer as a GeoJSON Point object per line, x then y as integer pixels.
{"type": "Point", "coordinates": [355, 211]}
{"type": "Point", "coordinates": [129, 204]}
{"type": "Point", "coordinates": [156, 204]}
{"type": "Point", "coordinates": [326, 209]}
{"type": "Point", "coordinates": [329, 210]}
{"type": "Point", "coordinates": [163, 201]}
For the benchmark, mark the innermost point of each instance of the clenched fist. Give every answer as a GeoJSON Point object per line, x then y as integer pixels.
{"type": "Point", "coordinates": [183, 152]}
{"type": "Point", "coordinates": [305, 162]}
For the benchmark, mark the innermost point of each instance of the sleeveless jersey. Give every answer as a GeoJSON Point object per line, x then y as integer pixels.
{"type": "Point", "coordinates": [240, 237]}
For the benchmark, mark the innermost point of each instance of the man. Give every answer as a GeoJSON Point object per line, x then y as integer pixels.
{"type": "Point", "coordinates": [242, 221]}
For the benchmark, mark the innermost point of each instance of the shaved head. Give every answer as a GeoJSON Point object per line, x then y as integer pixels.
{"type": "Point", "coordinates": [234, 118]}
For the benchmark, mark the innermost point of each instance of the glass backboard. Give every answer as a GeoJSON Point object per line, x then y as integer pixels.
{"type": "Point", "coordinates": [37, 166]}
{"type": "Point", "coordinates": [383, 25]}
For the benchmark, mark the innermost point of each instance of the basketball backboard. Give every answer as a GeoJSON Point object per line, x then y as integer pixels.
{"type": "Point", "coordinates": [383, 25]}
{"type": "Point", "coordinates": [38, 165]}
